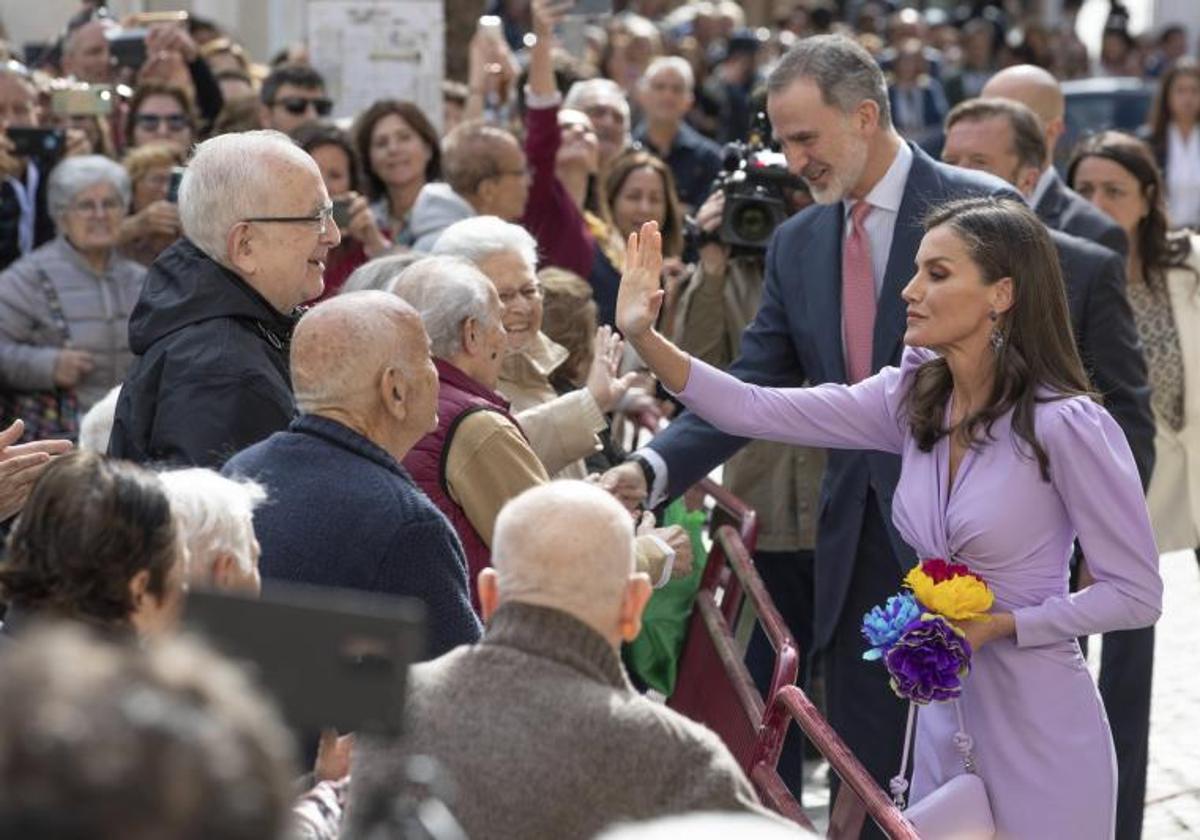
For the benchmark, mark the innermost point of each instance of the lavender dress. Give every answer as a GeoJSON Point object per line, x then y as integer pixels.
{"type": "Point", "coordinates": [1042, 742]}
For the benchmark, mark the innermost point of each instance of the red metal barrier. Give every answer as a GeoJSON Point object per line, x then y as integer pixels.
{"type": "Point", "coordinates": [714, 686]}
{"type": "Point", "coordinates": [859, 795]}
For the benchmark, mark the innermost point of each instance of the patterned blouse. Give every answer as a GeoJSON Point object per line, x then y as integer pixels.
{"type": "Point", "coordinates": [1160, 341]}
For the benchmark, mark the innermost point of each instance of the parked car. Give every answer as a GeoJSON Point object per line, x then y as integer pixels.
{"type": "Point", "coordinates": [1094, 105]}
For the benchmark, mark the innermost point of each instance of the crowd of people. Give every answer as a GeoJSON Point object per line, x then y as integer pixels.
{"type": "Point", "coordinates": [246, 345]}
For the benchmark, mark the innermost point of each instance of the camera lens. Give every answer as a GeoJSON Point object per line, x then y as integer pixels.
{"type": "Point", "coordinates": [753, 222]}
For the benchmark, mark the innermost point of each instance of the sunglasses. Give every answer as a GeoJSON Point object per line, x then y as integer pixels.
{"type": "Point", "coordinates": [297, 105]}
{"type": "Point", "coordinates": [175, 122]}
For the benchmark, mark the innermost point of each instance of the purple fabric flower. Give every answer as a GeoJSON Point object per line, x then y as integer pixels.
{"type": "Point", "coordinates": [883, 625]}
{"type": "Point", "coordinates": [928, 661]}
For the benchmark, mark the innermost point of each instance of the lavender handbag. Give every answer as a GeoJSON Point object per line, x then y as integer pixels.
{"type": "Point", "coordinates": [957, 810]}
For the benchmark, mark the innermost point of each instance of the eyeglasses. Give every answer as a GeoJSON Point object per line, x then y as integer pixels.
{"type": "Point", "coordinates": [297, 105]}
{"type": "Point", "coordinates": [513, 173]}
{"type": "Point", "coordinates": [90, 207]}
{"type": "Point", "coordinates": [529, 294]}
{"type": "Point", "coordinates": [151, 122]}
{"type": "Point", "coordinates": [323, 219]}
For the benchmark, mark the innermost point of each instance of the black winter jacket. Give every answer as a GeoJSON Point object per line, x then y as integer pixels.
{"type": "Point", "coordinates": [211, 375]}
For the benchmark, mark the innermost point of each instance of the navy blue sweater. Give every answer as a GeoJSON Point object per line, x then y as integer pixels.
{"type": "Point", "coordinates": [342, 512]}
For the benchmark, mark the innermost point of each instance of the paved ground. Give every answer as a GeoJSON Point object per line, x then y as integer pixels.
{"type": "Point", "coordinates": [1173, 786]}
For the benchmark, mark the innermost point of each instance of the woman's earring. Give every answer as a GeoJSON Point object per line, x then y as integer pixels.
{"type": "Point", "coordinates": [996, 338]}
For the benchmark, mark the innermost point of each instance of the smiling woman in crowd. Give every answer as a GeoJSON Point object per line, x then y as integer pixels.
{"type": "Point", "coordinates": [398, 147]}
{"type": "Point", "coordinates": [64, 308]}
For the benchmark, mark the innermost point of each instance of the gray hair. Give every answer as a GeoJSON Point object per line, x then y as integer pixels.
{"type": "Point", "coordinates": [96, 426]}
{"type": "Point", "coordinates": [669, 62]}
{"type": "Point", "coordinates": [446, 291]}
{"type": "Point", "coordinates": [479, 237]}
{"type": "Point", "coordinates": [378, 274]}
{"type": "Point", "coordinates": [215, 514]}
{"type": "Point", "coordinates": [228, 179]}
{"type": "Point", "coordinates": [842, 69]}
{"type": "Point", "coordinates": [76, 174]}
{"type": "Point", "coordinates": [588, 91]}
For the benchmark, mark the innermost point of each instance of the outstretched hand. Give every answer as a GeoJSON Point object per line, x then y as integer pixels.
{"type": "Point", "coordinates": [640, 296]}
{"type": "Point", "coordinates": [604, 380]}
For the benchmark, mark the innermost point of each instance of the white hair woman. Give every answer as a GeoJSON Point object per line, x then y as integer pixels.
{"type": "Point", "coordinates": [64, 307]}
{"type": "Point", "coordinates": [563, 429]}
{"type": "Point", "coordinates": [216, 516]}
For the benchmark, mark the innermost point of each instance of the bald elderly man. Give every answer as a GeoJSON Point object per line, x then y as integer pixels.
{"type": "Point", "coordinates": [1056, 204]}
{"type": "Point", "coordinates": [344, 512]}
{"type": "Point", "coordinates": [538, 725]}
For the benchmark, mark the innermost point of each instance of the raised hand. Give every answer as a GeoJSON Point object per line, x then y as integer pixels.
{"type": "Point", "coordinates": [606, 386]}
{"type": "Point", "coordinates": [640, 296]}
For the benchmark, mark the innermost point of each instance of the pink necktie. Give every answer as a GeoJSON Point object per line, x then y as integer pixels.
{"type": "Point", "coordinates": [858, 296]}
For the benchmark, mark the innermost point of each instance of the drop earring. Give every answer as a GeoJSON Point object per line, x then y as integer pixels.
{"type": "Point", "coordinates": [996, 339]}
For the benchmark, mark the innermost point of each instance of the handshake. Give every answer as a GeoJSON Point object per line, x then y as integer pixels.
{"type": "Point", "coordinates": [627, 484]}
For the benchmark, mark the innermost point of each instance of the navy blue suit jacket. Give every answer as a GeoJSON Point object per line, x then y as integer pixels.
{"type": "Point", "coordinates": [796, 337]}
{"type": "Point", "coordinates": [1108, 341]}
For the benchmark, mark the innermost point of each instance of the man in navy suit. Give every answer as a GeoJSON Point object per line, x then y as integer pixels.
{"type": "Point", "coordinates": [828, 103]}
{"type": "Point", "coordinates": [1056, 204]}
{"type": "Point", "coordinates": [1003, 137]}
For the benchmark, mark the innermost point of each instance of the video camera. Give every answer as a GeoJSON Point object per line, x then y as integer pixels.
{"type": "Point", "coordinates": [756, 183]}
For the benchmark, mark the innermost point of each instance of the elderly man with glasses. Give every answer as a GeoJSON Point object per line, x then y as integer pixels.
{"type": "Point", "coordinates": [214, 321]}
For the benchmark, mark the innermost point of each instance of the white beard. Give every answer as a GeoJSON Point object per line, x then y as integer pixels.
{"type": "Point", "coordinates": [840, 181]}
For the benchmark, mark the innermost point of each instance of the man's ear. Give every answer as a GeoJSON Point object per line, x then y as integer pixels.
{"type": "Point", "coordinates": [489, 593]}
{"type": "Point", "coordinates": [393, 393]}
{"type": "Point", "coordinates": [637, 594]}
{"type": "Point", "coordinates": [866, 115]}
{"type": "Point", "coordinates": [224, 571]}
{"type": "Point", "coordinates": [240, 246]}
{"type": "Point", "coordinates": [472, 336]}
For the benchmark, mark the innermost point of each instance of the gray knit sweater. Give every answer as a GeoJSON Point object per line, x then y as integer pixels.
{"type": "Point", "coordinates": [545, 738]}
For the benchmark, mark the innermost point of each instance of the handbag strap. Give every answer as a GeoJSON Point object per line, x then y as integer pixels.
{"type": "Point", "coordinates": [964, 743]}
{"type": "Point", "coordinates": [56, 310]}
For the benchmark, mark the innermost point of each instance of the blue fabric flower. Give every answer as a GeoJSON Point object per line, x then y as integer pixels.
{"type": "Point", "coordinates": [883, 625]}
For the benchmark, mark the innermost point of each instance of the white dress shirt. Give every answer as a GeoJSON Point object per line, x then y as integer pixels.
{"type": "Point", "coordinates": [1183, 177]}
{"type": "Point", "coordinates": [885, 198]}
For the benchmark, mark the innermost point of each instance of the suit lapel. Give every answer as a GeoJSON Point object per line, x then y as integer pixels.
{"type": "Point", "coordinates": [890, 319]}
{"type": "Point", "coordinates": [823, 290]}
{"type": "Point", "coordinates": [1053, 204]}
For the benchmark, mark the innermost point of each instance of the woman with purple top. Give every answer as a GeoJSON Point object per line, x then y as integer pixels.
{"type": "Point", "coordinates": [1006, 460]}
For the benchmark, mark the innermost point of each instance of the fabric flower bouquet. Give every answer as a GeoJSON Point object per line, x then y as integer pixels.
{"type": "Point", "coordinates": [928, 658]}
{"type": "Point", "coordinates": [925, 654]}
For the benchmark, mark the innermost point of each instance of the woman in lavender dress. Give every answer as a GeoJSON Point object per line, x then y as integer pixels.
{"type": "Point", "coordinates": [1006, 459]}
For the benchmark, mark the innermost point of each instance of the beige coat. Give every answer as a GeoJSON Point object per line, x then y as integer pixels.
{"type": "Point", "coordinates": [1174, 495]}
{"type": "Point", "coordinates": [561, 429]}
{"type": "Point", "coordinates": [779, 481]}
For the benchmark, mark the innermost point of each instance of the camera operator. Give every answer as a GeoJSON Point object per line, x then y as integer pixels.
{"type": "Point", "coordinates": [781, 482]}
{"type": "Point", "coordinates": [24, 222]}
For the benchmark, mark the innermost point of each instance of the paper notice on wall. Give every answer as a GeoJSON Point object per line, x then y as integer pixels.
{"type": "Point", "coordinates": [376, 49]}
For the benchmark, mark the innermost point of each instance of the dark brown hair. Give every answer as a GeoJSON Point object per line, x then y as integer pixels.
{"type": "Point", "coordinates": [364, 127]}
{"type": "Point", "coordinates": [1157, 248]}
{"type": "Point", "coordinates": [149, 89]}
{"type": "Point", "coordinates": [189, 748]}
{"type": "Point", "coordinates": [1005, 239]}
{"type": "Point", "coordinates": [619, 170]}
{"type": "Point", "coordinates": [1029, 142]}
{"type": "Point", "coordinates": [1160, 110]}
{"type": "Point", "coordinates": [89, 527]}
{"type": "Point", "coordinates": [311, 136]}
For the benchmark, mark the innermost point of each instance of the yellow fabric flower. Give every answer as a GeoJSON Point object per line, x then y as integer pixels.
{"type": "Point", "coordinates": [960, 598]}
